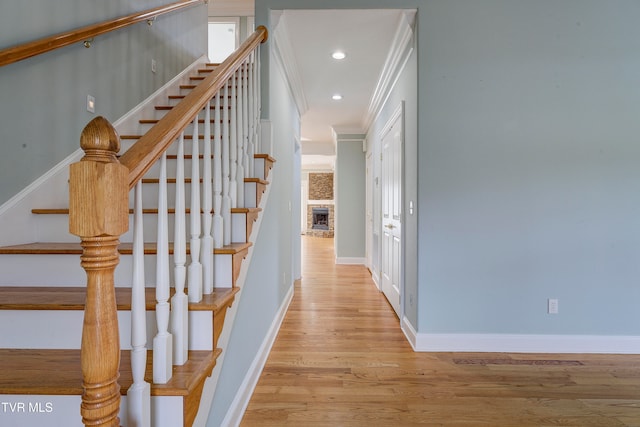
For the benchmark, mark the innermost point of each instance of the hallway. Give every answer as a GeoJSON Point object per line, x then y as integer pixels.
{"type": "Point", "coordinates": [340, 359]}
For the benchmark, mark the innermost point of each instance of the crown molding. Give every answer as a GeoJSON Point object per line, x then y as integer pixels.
{"type": "Point", "coordinates": [397, 58]}
{"type": "Point", "coordinates": [283, 50]}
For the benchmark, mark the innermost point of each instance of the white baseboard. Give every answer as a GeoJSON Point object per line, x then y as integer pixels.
{"type": "Point", "coordinates": [409, 332]}
{"type": "Point", "coordinates": [348, 260]}
{"type": "Point", "coordinates": [511, 343]}
{"type": "Point", "coordinates": [240, 402]}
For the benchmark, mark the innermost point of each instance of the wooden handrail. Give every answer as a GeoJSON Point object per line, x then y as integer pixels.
{"type": "Point", "coordinates": [144, 153]}
{"type": "Point", "coordinates": [37, 47]}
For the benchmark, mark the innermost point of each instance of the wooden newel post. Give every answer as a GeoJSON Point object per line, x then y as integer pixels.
{"type": "Point", "coordinates": [99, 214]}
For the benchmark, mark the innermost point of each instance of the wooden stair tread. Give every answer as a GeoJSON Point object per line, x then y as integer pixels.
{"type": "Point", "coordinates": [264, 156]}
{"type": "Point", "coordinates": [154, 121]}
{"type": "Point", "coordinates": [64, 211]}
{"type": "Point", "coordinates": [59, 248]}
{"type": "Point", "coordinates": [169, 107]}
{"type": "Point", "coordinates": [131, 137]}
{"type": "Point", "coordinates": [257, 180]}
{"type": "Point", "coordinates": [73, 298]}
{"type": "Point", "coordinates": [188, 180]}
{"type": "Point", "coordinates": [58, 372]}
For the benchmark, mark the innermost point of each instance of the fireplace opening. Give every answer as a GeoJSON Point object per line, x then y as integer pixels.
{"type": "Point", "coordinates": [320, 219]}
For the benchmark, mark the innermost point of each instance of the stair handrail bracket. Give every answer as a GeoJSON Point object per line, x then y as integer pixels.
{"type": "Point", "coordinates": [98, 214]}
{"type": "Point", "coordinates": [88, 33]}
{"type": "Point", "coordinates": [148, 149]}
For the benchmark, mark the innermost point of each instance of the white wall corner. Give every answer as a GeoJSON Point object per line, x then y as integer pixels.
{"type": "Point", "coordinates": [511, 343]}
{"type": "Point", "coordinates": [243, 396]}
{"type": "Point", "coordinates": [409, 332]}
{"type": "Point", "coordinates": [397, 58]}
{"type": "Point", "coordinates": [282, 50]}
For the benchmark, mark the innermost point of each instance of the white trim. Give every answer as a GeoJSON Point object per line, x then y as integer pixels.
{"type": "Point", "coordinates": [409, 332]}
{"type": "Point", "coordinates": [397, 58]}
{"type": "Point", "coordinates": [129, 122]}
{"type": "Point", "coordinates": [243, 396]}
{"type": "Point", "coordinates": [60, 167]}
{"type": "Point", "coordinates": [51, 187]}
{"type": "Point", "coordinates": [351, 261]}
{"type": "Point", "coordinates": [282, 50]}
{"type": "Point", "coordinates": [511, 343]}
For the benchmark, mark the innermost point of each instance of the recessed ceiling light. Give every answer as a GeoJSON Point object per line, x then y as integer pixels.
{"type": "Point", "coordinates": [337, 97]}
{"type": "Point", "coordinates": [338, 55]}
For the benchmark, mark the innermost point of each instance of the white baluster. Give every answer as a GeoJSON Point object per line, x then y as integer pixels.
{"type": "Point", "coordinates": [206, 255]}
{"type": "Point", "coordinates": [139, 394]}
{"type": "Point", "coordinates": [195, 268]}
{"type": "Point", "coordinates": [240, 140]}
{"type": "Point", "coordinates": [252, 117]}
{"type": "Point", "coordinates": [233, 144]}
{"type": "Point", "coordinates": [259, 146]}
{"type": "Point", "coordinates": [218, 221]}
{"type": "Point", "coordinates": [245, 122]}
{"type": "Point", "coordinates": [226, 168]}
{"type": "Point", "coordinates": [179, 302]}
{"type": "Point", "coordinates": [162, 342]}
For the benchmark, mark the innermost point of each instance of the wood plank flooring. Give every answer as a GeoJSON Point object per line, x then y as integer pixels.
{"type": "Point", "coordinates": [340, 359]}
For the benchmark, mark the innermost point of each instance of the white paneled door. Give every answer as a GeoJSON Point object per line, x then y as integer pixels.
{"type": "Point", "coordinates": [392, 140]}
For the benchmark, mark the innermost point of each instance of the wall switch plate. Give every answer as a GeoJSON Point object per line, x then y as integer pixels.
{"type": "Point", "coordinates": [552, 306]}
{"type": "Point", "coordinates": [91, 104]}
{"type": "Point", "coordinates": [154, 66]}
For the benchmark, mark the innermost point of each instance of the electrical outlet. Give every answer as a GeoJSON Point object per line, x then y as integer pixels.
{"type": "Point", "coordinates": [552, 306]}
{"type": "Point", "coordinates": [91, 104]}
{"type": "Point", "coordinates": [154, 67]}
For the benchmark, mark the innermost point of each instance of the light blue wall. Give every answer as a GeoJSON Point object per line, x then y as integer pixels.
{"type": "Point", "coordinates": [529, 167]}
{"type": "Point", "coordinates": [43, 99]}
{"type": "Point", "coordinates": [350, 199]}
{"type": "Point", "coordinates": [269, 277]}
{"type": "Point", "coordinates": [527, 163]}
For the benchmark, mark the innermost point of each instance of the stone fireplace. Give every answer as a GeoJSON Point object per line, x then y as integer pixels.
{"type": "Point", "coordinates": [324, 220]}
{"type": "Point", "coordinates": [320, 207]}
{"type": "Point", "coordinates": [319, 218]}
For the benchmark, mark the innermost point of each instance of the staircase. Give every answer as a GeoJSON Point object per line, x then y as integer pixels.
{"type": "Point", "coordinates": [51, 367]}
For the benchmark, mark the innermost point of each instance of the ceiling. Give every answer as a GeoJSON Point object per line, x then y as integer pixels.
{"type": "Point", "coordinates": [310, 36]}
{"type": "Point", "coordinates": [366, 37]}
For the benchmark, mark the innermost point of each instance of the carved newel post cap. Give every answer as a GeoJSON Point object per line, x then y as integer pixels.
{"type": "Point", "coordinates": [100, 140]}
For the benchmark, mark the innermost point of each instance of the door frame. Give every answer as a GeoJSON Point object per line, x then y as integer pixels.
{"type": "Point", "coordinates": [398, 114]}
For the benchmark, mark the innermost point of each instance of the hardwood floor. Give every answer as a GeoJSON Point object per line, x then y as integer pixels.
{"type": "Point", "coordinates": [340, 359]}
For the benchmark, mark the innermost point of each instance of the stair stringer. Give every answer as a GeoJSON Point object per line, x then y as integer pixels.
{"type": "Point", "coordinates": [52, 188]}
{"type": "Point", "coordinates": [223, 341]}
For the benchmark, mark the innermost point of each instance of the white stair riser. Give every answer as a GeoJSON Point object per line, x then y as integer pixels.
{"type": "Point", "coordinates": [54, 228]}
{"type": "Point", "coordinates": [62, 329]}
{"type": "Point", "coordinates": [63, 411]}
{"type": "Point", "coordinates": [238, 228]}
{"type": "Point", "coordinates": [150, 195]}
{"type": "Point", "coordinates": [250, 200]}
{"type": "Point", "coordinates": [65, 270]}
{"type": "Point", "coordinates": [259, 168]}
